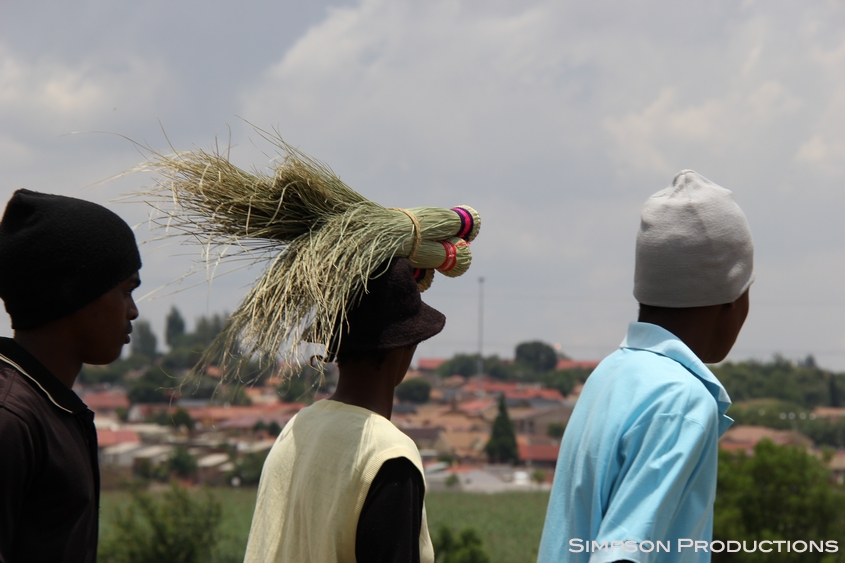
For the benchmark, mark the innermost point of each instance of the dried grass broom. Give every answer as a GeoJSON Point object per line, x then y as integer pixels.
{"type": "Point", "coordinates": [321, 241]}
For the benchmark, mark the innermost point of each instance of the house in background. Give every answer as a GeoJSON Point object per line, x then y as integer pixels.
{"type": "Point", "coordinates": [744, 438]}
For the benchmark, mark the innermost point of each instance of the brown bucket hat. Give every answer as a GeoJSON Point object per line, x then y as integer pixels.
{"type": "Point", "coordinates": [390, 315]}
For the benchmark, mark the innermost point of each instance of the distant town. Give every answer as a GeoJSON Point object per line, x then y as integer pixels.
{"type": "Point", "coordinates": [152, 427]}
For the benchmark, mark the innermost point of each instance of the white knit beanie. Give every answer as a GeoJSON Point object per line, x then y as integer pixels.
{"type": "Point", "coordinates": [694, 246]}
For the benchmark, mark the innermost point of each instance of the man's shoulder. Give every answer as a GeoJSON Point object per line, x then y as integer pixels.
{"type": "Point", "coordinates": [636, 376]}
{"type": "Point", "coordinates": [349, 423]}
{"type": "Point", "coordinates": [669, 375]}
{"type": "Point", "coordinates": [642, 368]}
{"type": "Point", "coordinates": [18, 397]}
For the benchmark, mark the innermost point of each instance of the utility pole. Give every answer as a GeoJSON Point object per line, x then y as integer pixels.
{"type": "Point", "coordinates": [480, 366]}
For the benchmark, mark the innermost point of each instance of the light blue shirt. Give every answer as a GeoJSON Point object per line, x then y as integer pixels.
{"type": "Point", "coordinates": [639, 458]}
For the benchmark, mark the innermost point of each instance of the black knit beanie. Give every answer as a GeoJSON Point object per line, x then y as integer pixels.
{"type": "Point", "coordinates": [58, 254]}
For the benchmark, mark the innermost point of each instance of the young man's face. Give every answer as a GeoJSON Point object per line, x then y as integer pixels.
{"type": "Point", "coordinates": [730, 323]}
{"type": "Point", "coordinates": [102, 327]}
{"type": "Point", "coordinates": [404, 362]}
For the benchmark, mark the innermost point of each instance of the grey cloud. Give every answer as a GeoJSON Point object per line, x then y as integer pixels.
{"type": "Point", "coordinates": [556, 120]}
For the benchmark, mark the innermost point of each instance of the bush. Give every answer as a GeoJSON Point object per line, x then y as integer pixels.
{"type": "Point", "coordinates": [555, 430]}
{"type": "Point", "coordinates": [182, 463]}
{"type": "Point", "coordinates": [779, 493]}
{"type": "Point", "coordinates": [179, 417]}
{"type": "Point", "coordinates": [176, 529]}
{"type": "Point", "coordinates": [466, 548]}
{"type": "Point", "coordinates": [274, 428]}
{"type": "Point", "coordinates": [113, 372]}
{"type": "Point", "coordinates": [248, 468]}
{"type": "Point", "coordinates": [414, 391]}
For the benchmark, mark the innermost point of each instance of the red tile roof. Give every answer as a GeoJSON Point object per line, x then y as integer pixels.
{"type": "Point", "coordinates": [219, 414]}
{"type": "Point", "coordinates": [430, 364]}
{"type": "Point", "coordinates": [249, 421]}
{"type": "Point", "coordinates": [476, 406]}
{"type": "Point", "coordinates": [538, 452]}
{"type": "Point", "coordinates": [575, 364]}
{"type": "Point", "coordinates": [746, 437]}
{"type": "Point", "coordinates": [106, 400]}
{"type": "Point", "coordinates": [513, 390]}
{"type": "Point", "coordinates": [107, 437]}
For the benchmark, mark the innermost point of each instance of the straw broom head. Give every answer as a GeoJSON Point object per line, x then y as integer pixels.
{"type": "Point", "coordinates": [321, 241]}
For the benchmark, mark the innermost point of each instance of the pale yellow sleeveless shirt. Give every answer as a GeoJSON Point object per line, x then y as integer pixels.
{"type": "Point", "coordinates": [315, 481]}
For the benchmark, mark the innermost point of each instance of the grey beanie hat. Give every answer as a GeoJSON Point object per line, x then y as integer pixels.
{"type": "Point", "coordinates": [694, 246]}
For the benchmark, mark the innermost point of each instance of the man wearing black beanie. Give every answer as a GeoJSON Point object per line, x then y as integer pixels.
{"type": "Point", "coordinates": [67, 271]}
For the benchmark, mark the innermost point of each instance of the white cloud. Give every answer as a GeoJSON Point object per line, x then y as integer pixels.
{"type": "Point", "coordinates": [48, 94]}
{"type": "Point", "coordinates": [542, 113]}
{"type": "Point", "coordinates": [554, 119]}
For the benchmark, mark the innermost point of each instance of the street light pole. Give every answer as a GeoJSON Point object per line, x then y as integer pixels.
{"type": "Point", "coordinates": [480, 366]}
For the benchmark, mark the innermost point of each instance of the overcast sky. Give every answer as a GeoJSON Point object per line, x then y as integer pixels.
{"type": "Point", "coordinates": [555, 120]}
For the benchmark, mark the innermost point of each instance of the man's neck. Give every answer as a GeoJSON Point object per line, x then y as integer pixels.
{"type": "Point", "coordinates": [364, 385]}
{"type": "Point", "coordinates": [48, 349]}
{"type": "Point", "coordinates": [693, 326]}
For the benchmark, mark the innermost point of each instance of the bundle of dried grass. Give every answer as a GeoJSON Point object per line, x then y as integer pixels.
{"type": "Point", "coordinates": [322, 241]}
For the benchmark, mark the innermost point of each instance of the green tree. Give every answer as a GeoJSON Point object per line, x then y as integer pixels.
{"type": "Point", "coordinates": [467, 365]}
{"type": "Point", "coordinates": [145, 392]}
{"type": "Point", "coordinates": [300, 383]}
{"type": "Point", "coordinates": [248, 468]}
{"type": "Point", "coordinates": [144, 342]}
{"type": "Point", "coordinates": [207, 329]}
{"type": "Point", "coordinates": [779, 493]}
{"type": "Point", "coordinates": [806, 385]}
{"type": "Point", "coordinates": [767, 412]}
{"type": "Point", "coordinates": [113, 372]}
{"type": "Point", "coordinates": [502, 445]}
{"type": "Point", "coordinates": [182, 418]}
{"type": "Point", "coordinates": [259, 426]}
{"type": "Point", "coordinates": [294, 390]}
{"type": "Point", "coordinates": [179, 417]}
{"type": "Point", "coordinates": [154, 386]}
{"type": "Point", "coordinates": [182, 463]}
{"type": "Point", "coordinates": [174, 327]}
{"type": "Point", "coordinates": [232, 395]}
{"type": "Point", "coordinates": [537, 355]}
{"type": "Point", "coordinates": [415, 390]}
{"type": "Point", "coordinates": [176, 528]}
{"type": "Point", "coordinates": [555, 430]}
{"type": "Point", "coordinates": [460, 364]}
{"type": "Point", "coordinates": [466, 548]}
{"type": "Point", "coordinates": [564, 380]}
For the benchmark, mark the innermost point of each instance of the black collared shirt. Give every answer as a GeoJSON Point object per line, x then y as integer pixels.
{"type": "Point", "coordinates": [49, 474]}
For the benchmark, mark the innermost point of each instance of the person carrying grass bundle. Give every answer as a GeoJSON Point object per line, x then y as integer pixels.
{"type": "Point", "coordinates": [343, 273]}
{"type": "Point", "coordinates": [67, 271]}
{"type": "Point", "coordinates": [306, 226]}
{"type": "Point", "coordinates": [342, 483]}
{"type": "Point", "coordinates": [638, 460]}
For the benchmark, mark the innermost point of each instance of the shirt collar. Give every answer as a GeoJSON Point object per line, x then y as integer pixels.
{"type": "Point", "coordinates": [14, 355]}
{"type": "Point", "coordinates": [653, 338]}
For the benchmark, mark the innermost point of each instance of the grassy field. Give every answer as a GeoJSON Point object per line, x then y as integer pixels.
{"type": "Point", "coordinates": [509, 524]}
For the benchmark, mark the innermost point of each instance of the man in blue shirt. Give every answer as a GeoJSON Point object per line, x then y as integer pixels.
{"type": "Point", "coordinates": [636, 475]}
